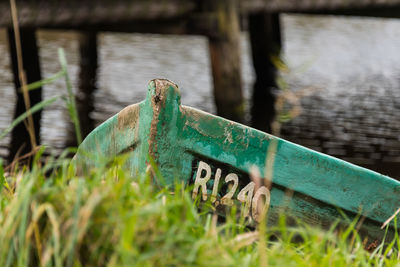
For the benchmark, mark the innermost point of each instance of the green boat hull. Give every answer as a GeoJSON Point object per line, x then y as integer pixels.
{"type": "Point", "coordinates": [218, 158]}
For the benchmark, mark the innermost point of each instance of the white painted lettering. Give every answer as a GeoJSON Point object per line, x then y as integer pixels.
{"type": "Point", "coordinates": [256, 210]}
{"type": "Point", "coordinates": [227, 199]}
{"type": "Point", "coordinates": [245, 196]}
{"type": "Point", "coordinates": [201, 181]}
{"type": "Point", "coordinates": [215, 187]}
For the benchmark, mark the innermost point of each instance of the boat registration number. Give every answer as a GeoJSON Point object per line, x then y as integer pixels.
{"type": "Point", "coordinates": [226, 189]}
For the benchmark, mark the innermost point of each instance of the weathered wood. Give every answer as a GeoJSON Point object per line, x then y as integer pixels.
{"type": "Point", "coordinates": [224, 46]}
{"type": "Point", "coordinates": [20, 141]}
{"type": "Point", "coordinates": [377, 12]}
{"type": "Point", "coordinates": [265, 38]}
{"type": "Point", "coordinates": [210, 153]}
{"type": "Point", "coordinates": [168, 26]}
{"type": "Point", "coordinates": [87, 84]}
{"type": "Point", "coordinates": [306, 6]}
{"type": "Point", "coordinates": [73, 14]}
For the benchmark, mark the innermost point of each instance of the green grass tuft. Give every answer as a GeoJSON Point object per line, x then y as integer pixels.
{"type": "Point", "coordinates": [51, 217]}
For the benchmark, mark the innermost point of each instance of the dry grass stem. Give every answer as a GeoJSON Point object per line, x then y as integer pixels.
{"type": "Point", "coordinates": [390, 218]}
{"type": "Point", "coordinates": [21, 73]}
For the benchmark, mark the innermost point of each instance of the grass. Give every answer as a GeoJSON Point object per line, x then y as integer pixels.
{"type": "Point", "coordinates": [51, 217]}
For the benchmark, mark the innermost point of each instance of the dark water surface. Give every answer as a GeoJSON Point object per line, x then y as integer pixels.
{"type": "Point", "coordinates": [347, 68]}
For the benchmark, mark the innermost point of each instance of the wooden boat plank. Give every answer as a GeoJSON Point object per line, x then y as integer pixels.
{"type": "Point", "coordinates": [195, 147]}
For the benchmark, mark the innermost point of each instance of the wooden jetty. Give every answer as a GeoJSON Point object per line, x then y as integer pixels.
{"type": "Point", "coordinates": [219, 20]}
{"type": "Point", "coordinates": [210, 153]}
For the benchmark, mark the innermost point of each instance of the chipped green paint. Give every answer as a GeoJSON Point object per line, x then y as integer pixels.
{"type": "Point", "coordinates": [180, 138]}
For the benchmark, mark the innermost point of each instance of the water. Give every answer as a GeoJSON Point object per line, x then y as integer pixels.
{"type": "Point", "coordinates": [352, 66]}
{"type": "Point", "coordinates": [355, 64]}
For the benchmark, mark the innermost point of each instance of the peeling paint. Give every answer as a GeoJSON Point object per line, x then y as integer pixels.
{"type": "Point", "coordinates": [128, 117]}
{"type": "Point", "coordinates": [228, 135]}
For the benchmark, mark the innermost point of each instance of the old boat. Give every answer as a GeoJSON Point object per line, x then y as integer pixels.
{"type": "Point", "coordinates": [215, 156]}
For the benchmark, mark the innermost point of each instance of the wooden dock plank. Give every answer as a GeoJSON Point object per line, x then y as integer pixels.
{"type": "Point", "coordinates": [68, 13]}
{"type": "Point", "coordinates": [75, 14]}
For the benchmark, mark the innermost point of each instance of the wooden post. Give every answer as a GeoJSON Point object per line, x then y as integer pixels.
{"type": "Point", "coordinates": [224, 45]}
{"type": "Point", "coordinates": [265, 37]}
{"type": "Point", "coordinates": [20, 141]}
{"type": "Point", "coordinates": [87, 84]}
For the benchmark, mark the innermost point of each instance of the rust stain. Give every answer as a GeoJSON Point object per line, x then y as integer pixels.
{"type": "Point", "coordinates": [157, 103]}
{"type": "Point", "coordinates": [128, 117]}
{"type": "Point", "coordinates": [372, 246]}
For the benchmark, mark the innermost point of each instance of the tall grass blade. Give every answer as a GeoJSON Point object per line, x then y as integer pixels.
{"type": "Point", "coordinates": [2, 178]}
{"type": "Point", "coordinates": [38, 84]}
{"type": "Point", "coordinates": [71, 103]}
{"type": "Point", "coordinates": [23, 245]}
{"type": "Point", "coordinates": [72, 243]}
{"type": "Point", "coordinates": [23, 116]}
